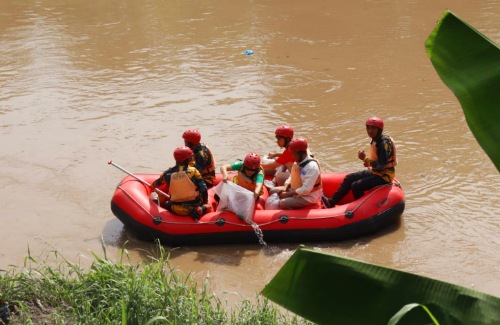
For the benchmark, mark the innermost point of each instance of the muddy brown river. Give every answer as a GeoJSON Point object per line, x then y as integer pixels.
{"type": "Point", "coordinates": [83, 82]}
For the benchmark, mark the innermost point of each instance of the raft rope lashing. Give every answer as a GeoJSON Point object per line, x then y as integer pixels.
{"type": "Point", "coordinates": [134, 200]}
{"type": "Point", "coordinates": [157, 220]}
{"type": "Point", "coordinates": [378, 188]}
{"type": "Point", "coordinates": [179, 222]}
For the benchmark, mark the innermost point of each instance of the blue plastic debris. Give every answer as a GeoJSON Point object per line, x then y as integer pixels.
{"type": "Point", "coordinates": [248, 52]}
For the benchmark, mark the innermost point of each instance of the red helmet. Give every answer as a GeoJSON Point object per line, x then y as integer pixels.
{"type": "Point", "coordinates": [193, 136]}
{"type": "Point", "coordinates": [252, 161]}
{"type": "Point", "coordinates": [284, 131]}
{"type": "Point", "coordinates": [375, 121]}
{"type": "Point", "coordinates": [182, 153]}
{"type": "Point", "coordinates": [298, 144]}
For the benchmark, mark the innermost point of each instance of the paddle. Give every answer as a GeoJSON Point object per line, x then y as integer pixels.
{"type": "Point", "coordinates": [139, 179]}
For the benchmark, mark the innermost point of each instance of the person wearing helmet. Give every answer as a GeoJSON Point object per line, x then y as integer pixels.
{"type": "Point", "coordinates": [250, 174]}
{"type": "Point", "coordinates": [281, 163]}
{"type": "Point", "coordinates": [380, 163]}
{"type": "Point", "coordinates": [203, 157]}
{"type": "Point", "coordinates": [304, 187]}
{"type": "Point", "coordinates": [187, 189]}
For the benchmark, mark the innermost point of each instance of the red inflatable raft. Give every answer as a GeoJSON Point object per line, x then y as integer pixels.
{"type": "Point", "coordinates": [377, 209]}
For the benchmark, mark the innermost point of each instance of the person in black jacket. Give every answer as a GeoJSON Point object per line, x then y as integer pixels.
{"type": "Point", "coordinates": [380, 163]}
{"type": "Point", "coordinates": [203, 158]}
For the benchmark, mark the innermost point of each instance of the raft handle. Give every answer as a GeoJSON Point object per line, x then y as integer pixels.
{"type": "Point", "coordinates": [283, 219]}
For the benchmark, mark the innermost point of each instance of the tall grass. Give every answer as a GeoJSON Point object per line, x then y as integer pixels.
{"type": "Point", "coordinates": [121, 293]}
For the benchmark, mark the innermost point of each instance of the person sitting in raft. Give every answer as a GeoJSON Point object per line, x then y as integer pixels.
{"type": "Point", "coordinates": [380, 164]}
{"type": "Point", "coordinates": [187, 189]}
{"type": "Point", "coordinates": [250, 174]}
{"type": "Point", "coordinates": [203, 157]}
{"type": "Point", "coordinates": [304, 187]}
{"type": "Point", "coordinates": [282, 162]}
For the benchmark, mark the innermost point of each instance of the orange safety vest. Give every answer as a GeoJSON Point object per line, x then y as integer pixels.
{"type": "Point", "coordinates": [182, 188]}
{"type": "Point", "coordinates": [244, 181]}
{"type": "Point", "coordinates": [296, 181]}
{"type": "Point", "coordinates": [392, 160]}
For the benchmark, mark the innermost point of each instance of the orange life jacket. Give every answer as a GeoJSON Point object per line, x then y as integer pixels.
{"type": "Point", "coordinates": [296, 181]}
{"type": "Point", "coordinates": [392, 160]}
{"type": "Point", "coordinates": [246, 182]}
{"type": "Point", "coordinates": [182, 188]}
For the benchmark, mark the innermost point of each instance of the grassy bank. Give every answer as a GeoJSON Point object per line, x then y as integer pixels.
{"type": "Point", "coordinates": [120, 293]}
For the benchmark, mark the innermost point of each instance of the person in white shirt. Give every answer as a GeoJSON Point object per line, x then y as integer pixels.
{"type": "Point", "coordinates": [303, 188]}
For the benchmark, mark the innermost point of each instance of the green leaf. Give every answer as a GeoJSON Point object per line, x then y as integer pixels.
{"type": "Point", "coordinates": [157, 318]}
{"type": "Point", "coordinates": [406, 309]}
{"type": "Point", "coordinates": [329, 289]}
{"type": "Point", "coordinates": [469, 64]}
{"type": "Point", "coordinates": [124, 313]}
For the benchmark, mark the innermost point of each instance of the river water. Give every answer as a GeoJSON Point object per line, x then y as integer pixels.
{"type": "Point", "coordinates": [83, 82]}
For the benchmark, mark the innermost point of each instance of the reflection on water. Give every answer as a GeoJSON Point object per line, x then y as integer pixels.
{"type": "Point", "coordinates": [84, 82]}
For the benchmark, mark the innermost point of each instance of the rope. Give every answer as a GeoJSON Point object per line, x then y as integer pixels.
{"type": "Point", "coordinates": [173, 222]}
{"type": "Point", "coordinates": [252, 224]}
{"type": "Point", "coordinates": [378, 188]}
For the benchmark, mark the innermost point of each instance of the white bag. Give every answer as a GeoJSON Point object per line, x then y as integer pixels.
{"type": "Point", "coordinates": [237, 199]}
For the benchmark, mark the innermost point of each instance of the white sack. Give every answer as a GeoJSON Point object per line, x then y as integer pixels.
{"type": "Point", "coordinates": [237, 199]}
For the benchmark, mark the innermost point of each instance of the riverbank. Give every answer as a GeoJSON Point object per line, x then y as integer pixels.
{"type": "Point", "coordinates": [152, 292]}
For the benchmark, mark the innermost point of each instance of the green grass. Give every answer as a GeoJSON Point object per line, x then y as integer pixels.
{"type": "Point", "coordinates": [121, 293]}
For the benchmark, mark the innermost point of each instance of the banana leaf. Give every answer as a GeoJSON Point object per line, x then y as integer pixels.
{"type": "Point", "coordinates": [329, 289]}
{"type": "Point", "coordinates": [469, 64]}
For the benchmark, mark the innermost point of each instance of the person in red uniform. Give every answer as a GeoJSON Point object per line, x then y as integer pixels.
{"type": "Point", "coordinates": [282, 163]}
{"type": "Point", "coordinates": [380, 163]}
{"type": "Point", "coordinates": [203, 157]}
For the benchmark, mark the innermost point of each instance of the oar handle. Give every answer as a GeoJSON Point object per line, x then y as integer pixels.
{"type": "Point", "coordinates": [138, 178]}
